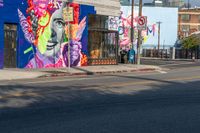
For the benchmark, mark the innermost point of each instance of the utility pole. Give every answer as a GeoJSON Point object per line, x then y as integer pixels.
{"type": "Point", "coordinates": [139, 42]}
{"type": "Point", "coordinates": [69, 37]}
{"type": "Point", "coordinates": [159, 35]}
{"type": "Point", "coordinates": [132, 26]}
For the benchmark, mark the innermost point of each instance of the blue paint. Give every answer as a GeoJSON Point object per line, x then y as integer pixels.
{"type": "Point", "coordinates": [8, 14]}
{"type": "Point", "coordinates": [85, 11]}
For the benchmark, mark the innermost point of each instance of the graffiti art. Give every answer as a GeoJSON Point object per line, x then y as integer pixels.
{"type": "Point", "coordinates": [125, 30]}
{"type": "Point", "coordinates": [50, 34]}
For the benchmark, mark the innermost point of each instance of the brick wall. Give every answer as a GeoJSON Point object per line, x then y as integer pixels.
{"type": "Point", "coordinates": [193, 22]}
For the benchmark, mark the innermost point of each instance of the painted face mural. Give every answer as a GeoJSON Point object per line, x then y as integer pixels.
{"type": "Point", "coordinates": [56, 38]}
{"type": "Point", "coordinates": [51, 35]}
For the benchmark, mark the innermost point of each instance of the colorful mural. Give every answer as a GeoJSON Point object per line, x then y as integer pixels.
{"type": "Point", "coordinates": [49, 34]}
{"type": "Point", "coordinates": [168, 17]}
{"type": "Point", "coordinates": [125, 31]}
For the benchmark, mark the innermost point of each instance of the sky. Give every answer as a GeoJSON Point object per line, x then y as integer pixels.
{"type": "Point", "coordinates": [193, 2]}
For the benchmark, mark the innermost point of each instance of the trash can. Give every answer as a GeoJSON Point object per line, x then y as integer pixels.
{"type": "Point", "coordinates": [131, 56]}
{"type": "Point", "coordinates": [124, 56]}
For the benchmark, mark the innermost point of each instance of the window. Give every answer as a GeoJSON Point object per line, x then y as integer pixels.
{"type": "Point", "coordinates": [185, 28]}
{"type": "Point", "coordinates": [198, 27]}
{"type": "Point", "coordinates": [199, 18]}
{"type": "Point", "coordinates": [98, 22]}
{"type": "Point", "coordinates": [185, 17]}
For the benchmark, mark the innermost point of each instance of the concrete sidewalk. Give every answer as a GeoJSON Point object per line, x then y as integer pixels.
{"type": "Point", "coordinates": [15, 74]}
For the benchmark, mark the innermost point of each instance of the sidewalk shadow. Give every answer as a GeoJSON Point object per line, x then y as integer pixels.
{"type": "Point", "coordinates": [83, 70]}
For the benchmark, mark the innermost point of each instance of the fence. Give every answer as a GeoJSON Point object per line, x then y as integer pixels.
{"type": "Point", "coordinates": [155, 53]}
{"type": "Point", "coordinates": [168, 53]}
{"type": "Point", "coordinates": [187, 54]}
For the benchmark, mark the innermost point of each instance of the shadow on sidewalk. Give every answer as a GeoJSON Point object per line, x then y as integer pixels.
{"type": "Point", "coordinates": [84, 70]}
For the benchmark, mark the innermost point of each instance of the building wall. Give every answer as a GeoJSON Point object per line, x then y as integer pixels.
{"type": "Point", "coordinates": [193, 22]}
{"type": "Point", "coordinates": [169, 26]}
{"type": "Point", "coordinates": [43, 33]}
{"type": "Point", "coordinates": [103, 7]}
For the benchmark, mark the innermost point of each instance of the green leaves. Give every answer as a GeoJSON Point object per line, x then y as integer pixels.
{"type": "Point", "coordinates": [191, 42]}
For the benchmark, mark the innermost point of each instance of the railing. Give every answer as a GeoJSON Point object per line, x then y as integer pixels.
{"type": "Point", "coordinates": [179, 53]}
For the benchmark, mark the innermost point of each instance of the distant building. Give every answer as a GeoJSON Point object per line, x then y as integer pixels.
{"type": "Point", "coordinates": [169, 3]}
{"type": "Point", "coordinates": [175, 3]}
{"type": "Point", "coordinates": [158, 3]}
{"type": "Point", "coordinates": [189, 21]}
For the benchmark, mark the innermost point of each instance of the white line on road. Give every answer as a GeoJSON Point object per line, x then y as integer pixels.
{"type": "Point", "coordinates": [160, 71]}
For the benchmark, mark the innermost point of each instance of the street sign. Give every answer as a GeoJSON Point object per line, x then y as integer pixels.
{"type": "Point", "coordinates": [142, 23]}
{"type": "Point", "coordinates": [68, 14]}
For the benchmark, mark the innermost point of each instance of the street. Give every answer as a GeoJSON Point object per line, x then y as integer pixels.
{"type": "Point", "coordinates": [139, 102]}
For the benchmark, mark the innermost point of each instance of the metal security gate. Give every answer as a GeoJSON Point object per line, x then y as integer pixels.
{"type": "Point", "coordinates": [103, 47]}
{"type": "Point", "coordinates": [10, 45]}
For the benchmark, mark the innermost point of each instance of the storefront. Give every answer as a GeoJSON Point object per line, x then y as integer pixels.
{"type": "Point", "coordinates": [102, 42]}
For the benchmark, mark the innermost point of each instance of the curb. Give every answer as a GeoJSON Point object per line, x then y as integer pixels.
{"type": "Point", "coordinates": [64, 74]}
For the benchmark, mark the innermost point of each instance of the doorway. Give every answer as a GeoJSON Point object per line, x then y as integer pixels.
{"type": "Point", "coordinates": [103, 47]}
{"type": "Point", "coordinates": [10, 45]}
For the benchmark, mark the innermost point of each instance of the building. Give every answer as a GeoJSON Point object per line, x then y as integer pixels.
{"type": "Point", "coordinates": [189, 21]}
{"type": "Point", "coordinates": [164, 3]}
{"type": "Point", "coordinates": [175, 3]}
{"type": "Point", "coordinates": [55, 33]}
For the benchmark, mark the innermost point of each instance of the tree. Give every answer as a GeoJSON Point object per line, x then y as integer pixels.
{"type": "Point", "coordinates": [191, 42]}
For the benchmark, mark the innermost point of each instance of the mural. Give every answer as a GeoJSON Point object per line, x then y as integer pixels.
{"type": "Point", "coordinates": [49, 35]}
{"type": "Point", "coordinates": [113, 23]}
{"type": "Point", "coordinates": [168, 17]}
{"type": "Point", "coordinates": [125, 31]}
{"type": "Point", "coordinates": [1, 3]}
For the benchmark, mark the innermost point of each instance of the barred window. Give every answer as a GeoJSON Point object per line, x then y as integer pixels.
{"type": "Point", "coordinates": [185, 28]}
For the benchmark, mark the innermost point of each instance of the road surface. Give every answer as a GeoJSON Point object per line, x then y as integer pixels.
{"type": "Point", "coordinates": [145, 102]}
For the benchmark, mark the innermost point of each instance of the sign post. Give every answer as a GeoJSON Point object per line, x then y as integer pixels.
{"type": "Point", "coordinates": [139, 32]}
{"type": "Point", "coordinates": [68, 16]}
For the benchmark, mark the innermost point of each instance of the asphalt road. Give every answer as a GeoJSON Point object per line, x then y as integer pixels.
{"type": "Point", "coordinates": [171, 64]}
{"type": "Point", "coordinates": [148, 102]}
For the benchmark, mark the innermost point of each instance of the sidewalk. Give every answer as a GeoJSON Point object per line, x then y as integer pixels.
{"type": "Point", "coordinates": [15, 74]}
